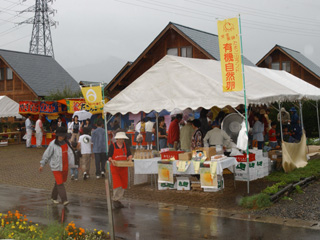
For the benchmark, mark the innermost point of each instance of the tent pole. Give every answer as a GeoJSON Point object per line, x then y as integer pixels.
{"type": "Point", "coordinates": [157, 130]}
{"type": "Point", "coordinates": [279, 103]}
{"type": "Point", "coordinates": [245, 105]}
{"type": "Point", "coordinates": [318, 117]}
{"type": "Point", "coordinates": [301, 116]}
{"type": "Point", "coordinates": [108, 181]}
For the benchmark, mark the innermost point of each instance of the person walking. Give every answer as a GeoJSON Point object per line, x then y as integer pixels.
{"type": "Point", "coordinates": [98, 139]}
{"type": "Point", "coordinates": [29, 126]}
{"type": "Point", "coordinates": [39, 132]}
{"type": "Point", "coordinates": [75, 129]}
{"type": "Point", "coordinates": [118, 151]}
{"type": "Point", "coordinates": [85, 146]}
{"type": "Point", "coordinates": [60, 156]}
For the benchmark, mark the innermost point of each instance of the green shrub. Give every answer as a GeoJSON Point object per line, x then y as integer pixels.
{"type": "Point", "coordinates": [274, 188]}
{"type": "Point", "coordinates": [257, 201]}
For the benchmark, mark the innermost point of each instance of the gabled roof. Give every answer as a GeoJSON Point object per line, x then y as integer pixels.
{"type": "Point", "coordinates": [299, 57]}
{"type": "Point", "coordinates": [207, 41]}
{"type": "Point", "coordinates": [41, 73]}
{"type": "Point", "coordinates": [122, 71]}
{"type": "Point", "coordinates": [303, 60]}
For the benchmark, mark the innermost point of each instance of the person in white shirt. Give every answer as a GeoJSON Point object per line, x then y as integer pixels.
{"type": "Point", "coordinates": [216, 136]}
{"type": "Point", "coordinates": [137, 135]}
{"type": "Point", "coordinates": [29, 127]}
{"type": "Point", "coordinates": [85, 145]}
{"type": "Point", "coordinates": [149, 128]}
{"type": "Point", "coordinates": [39, 132]}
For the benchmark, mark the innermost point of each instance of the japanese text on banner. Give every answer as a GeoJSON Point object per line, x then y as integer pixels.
{"type": "Point", "coordinates": [230, 55]}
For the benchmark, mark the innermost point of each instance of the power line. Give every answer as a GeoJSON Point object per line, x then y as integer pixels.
{"type": "Point", "coordinates": [15, 40]}
{"type": "Point", "coordinates": [258, 13]}
{"type": "Point", "coordinates": [269, 27]}
{"type": "Point", "coordinates": [208, 14]}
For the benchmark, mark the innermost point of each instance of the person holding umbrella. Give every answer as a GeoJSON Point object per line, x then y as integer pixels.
{"type": "Point", "coordinates": [60, 156]}
{"type": "Point", "coordinates": [75, 129]}
{"type": "Point", "coordinates": [118, 151]}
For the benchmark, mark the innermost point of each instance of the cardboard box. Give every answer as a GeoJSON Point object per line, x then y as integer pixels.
{"type": "Point", "coordinates": [167, 186]}
{"type": "Point", "coordinates": [243, 176]}
{"type": "Point", "coordinates": [275, 154]}
{"type": "Point", "coordinates": [171, 154]}
{"type": "Point", "coordinates": [123, 164]}
{"type": "Point", "coordinates": [243, 157]}
{"type": "Point", "coordinates": [216, 189]}
{"type": "Point", "coordinates": [185, 156]}
{"type": "Point", "coordinates": [3, 143]}
{"type": "Point", "coordinates": [209, 151]}
{"type": "Point", "coordinates": [183, 183]}
{"type": "Point", "coordinates": [243, 166]}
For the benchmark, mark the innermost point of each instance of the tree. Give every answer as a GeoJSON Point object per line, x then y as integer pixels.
{"type": "Point", "coordinates": [66, 93]}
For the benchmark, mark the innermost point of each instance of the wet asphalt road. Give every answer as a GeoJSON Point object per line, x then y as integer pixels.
{"type": "Point", "coordinates": [141, 220]}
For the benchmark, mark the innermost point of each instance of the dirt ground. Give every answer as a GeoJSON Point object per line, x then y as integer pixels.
{"type": "Point", "coordinates": [19, 166]}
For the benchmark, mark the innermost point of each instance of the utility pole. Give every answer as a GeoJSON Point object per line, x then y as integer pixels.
{"type": "Point", "coordinates": [41, 40]}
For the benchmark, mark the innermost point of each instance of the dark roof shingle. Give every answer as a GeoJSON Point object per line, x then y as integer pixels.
{"type": "Point", "coordinates": [302, 59]}
{"type": "Point", "coordinates": [43, 74]}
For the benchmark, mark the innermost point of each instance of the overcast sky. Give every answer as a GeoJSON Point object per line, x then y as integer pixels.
{"type": "Point", "coordinates": [95, 38]}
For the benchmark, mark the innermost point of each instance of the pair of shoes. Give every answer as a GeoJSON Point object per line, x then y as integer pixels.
{"type": "Point", "coordinates": [102, 174]}
{"type": "Point", "coordinates": [55, 201]}
{"type": "Point", "coordinates": [65, 203]}
{"type": "Point", "coordinates": [97, 176]}
{"type": "Point", "coordinates": [117, 204]}
{"type": "Point", "coordinates": [72, 177]}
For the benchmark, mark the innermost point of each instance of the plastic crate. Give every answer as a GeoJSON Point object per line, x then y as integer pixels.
{"type": "Point", "coordinates": [170, 154]}
{"type": "Point", "coordinates": [243, 158]}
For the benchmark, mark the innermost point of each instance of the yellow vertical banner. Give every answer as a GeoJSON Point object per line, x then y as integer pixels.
{"type": "Point", "coordinates": [230, 55]}
{"type": "Point", "coordinates": [93, 96]}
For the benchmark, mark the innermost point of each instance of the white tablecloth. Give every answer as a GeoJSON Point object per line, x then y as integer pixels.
{"type": "Point", "coordinates": [150, 166]}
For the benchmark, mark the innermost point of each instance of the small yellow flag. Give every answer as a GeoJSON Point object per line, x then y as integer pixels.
{"type": "Point", "coordinates": [230, 55]}
{"type": "Point", "coordinates": [93, 96]}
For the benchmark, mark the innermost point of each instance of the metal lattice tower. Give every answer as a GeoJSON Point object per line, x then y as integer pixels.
{"type": "Point", "coordinates": [41, 40]}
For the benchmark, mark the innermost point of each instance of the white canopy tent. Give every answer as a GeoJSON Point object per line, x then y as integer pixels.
{"type": "Point", "coordinates": [9, 108]}
{"type": "Point", "coordinates": [180, 83]}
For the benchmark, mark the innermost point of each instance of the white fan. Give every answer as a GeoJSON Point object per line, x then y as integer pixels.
{"type": "Point", "coordinates": [231, 124]}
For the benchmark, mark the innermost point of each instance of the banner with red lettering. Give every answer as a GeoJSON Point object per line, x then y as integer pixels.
{"type": "Point", "coordinates": [44, 107]}
{"type": "Point", "coordinates": [230, 55]}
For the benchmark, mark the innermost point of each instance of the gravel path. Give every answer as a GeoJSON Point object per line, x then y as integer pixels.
{"type": "Point", "coordinates": [305, 206]}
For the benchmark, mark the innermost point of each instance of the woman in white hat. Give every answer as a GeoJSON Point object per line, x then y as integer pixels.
{"type": "Point", "coordinates": [118, 151]}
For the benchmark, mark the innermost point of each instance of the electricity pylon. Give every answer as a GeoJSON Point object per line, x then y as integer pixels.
{"type": "Point", "coordinates": [41, 40]}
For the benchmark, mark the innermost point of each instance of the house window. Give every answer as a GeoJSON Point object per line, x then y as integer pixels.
{"type": "Point", "coordinates": [9, 74]}
{"type": "Point", "coordinates": [172, 51]}
{"type": "Point", "coordinates": [275, 65]}
{"type": "Point", "coordinates": [186, 52]}
{"type": "Point", "coordinates": [286, 66]}
{"type": "Point", "coordinates": [1, 74]}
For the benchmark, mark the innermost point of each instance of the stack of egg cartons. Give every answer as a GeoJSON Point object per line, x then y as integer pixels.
{"type": "Point", "coordinates": [241, 172]}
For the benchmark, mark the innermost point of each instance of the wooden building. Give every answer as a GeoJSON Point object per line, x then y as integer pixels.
{"type": "Point", "coordinates": [174, 39]}
{"type": "Point", "coordinates": [282, 58]}
{"type": "Point", "coordinates": [25, 76]}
